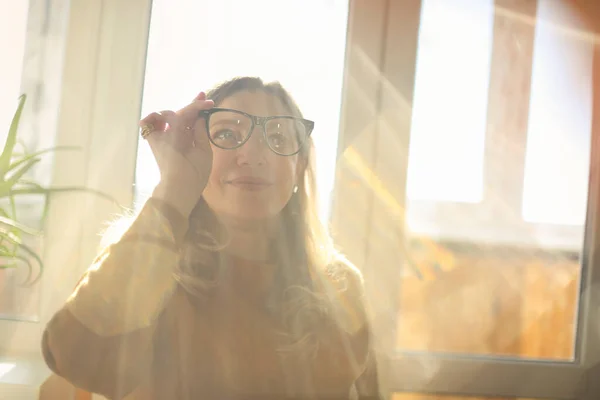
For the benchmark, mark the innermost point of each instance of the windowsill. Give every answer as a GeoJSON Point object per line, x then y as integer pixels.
{"type": "Point", "coordinates": [22, 377]}
{"type": "Point", "coordinates": [469, 223]}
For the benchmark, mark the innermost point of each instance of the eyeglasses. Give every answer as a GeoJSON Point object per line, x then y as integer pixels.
{"type": "Point", "coordinates": [229, 129]}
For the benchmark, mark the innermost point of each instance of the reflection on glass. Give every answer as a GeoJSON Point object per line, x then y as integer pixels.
{"type": "Point", "coordinates": [498, 243]}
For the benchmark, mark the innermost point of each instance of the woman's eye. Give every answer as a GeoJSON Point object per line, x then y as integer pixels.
{"type": "Point", "coordinates": [225, 134]}
{"type": "Point", "coordinates": [277, 139]}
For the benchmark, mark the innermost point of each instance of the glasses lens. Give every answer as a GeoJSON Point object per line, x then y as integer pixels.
{"type": "Point", "coordinates": [228, 129]}
{"type": "Point", "coordinates": [285, 135]}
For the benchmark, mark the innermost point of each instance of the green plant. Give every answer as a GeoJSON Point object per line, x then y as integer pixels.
{"type": "Point", "coordinates": [13, 168]}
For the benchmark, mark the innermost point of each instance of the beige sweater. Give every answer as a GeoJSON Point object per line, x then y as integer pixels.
{"type": "Point", "coordinates": [130, 331]}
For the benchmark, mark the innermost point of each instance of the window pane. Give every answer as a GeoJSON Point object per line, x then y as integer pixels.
{"type": "Point", "coordinates": [16, 301]}
{"type": "Point", "coordinates": [32, 42]}
{"type": "Point", "coordinates": [299, 43]}
{"type": "Point", "coordinates": [487, 281]}
{"type": "Point", "coordinates": [13, 27]}
{"type": "Point", "coordinates": [559, 137]}
{"type": "Point", "coordinates": [450, 102]}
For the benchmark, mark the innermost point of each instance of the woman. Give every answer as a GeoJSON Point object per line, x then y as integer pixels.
{"type": "Point", "coordinates": [225, 284]}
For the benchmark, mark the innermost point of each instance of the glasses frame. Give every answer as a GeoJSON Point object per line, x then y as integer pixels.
{"type": "Point", "coordinates": [257, 121]}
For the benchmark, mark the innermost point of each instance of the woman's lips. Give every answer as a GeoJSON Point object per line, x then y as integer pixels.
{"type": "Point", "coordinates": [250, 183]}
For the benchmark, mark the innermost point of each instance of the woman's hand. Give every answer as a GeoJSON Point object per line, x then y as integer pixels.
{"type": "Point", "coordinates": [182, 151]}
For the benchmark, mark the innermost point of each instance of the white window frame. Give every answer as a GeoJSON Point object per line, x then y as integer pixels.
{"type": "Point", "coordinates": [390, 93]}
{"type": "Point", "coordinates": [99, 92]}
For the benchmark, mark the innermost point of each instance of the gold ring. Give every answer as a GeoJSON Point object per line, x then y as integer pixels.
{"type": "Point", "coordinates": [146, 130]}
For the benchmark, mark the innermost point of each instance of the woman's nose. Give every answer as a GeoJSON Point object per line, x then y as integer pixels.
{"type": "Point", "coordinates": [254, 150]}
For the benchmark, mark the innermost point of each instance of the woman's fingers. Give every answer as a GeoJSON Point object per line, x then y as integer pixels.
{"type": "Point", "coordinates": [201, 96]}
{"type": "Point", "coordinates": [156, 120]}
{"type": "Point", "coordinates": [176, 131]}
{"type": "Point", "coordinates": [189, 113]}
{"type": "Point", "coordinates": [171, 118]}
{"type": "Point", "coordinates": [178, 128]}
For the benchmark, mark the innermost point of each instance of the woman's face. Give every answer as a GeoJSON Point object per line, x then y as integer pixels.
{"type": "Point", "coordinates": [251, 182]}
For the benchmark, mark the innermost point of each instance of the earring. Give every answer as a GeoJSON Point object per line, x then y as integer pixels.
{"type": "Point", "coordinates": [295, 188]}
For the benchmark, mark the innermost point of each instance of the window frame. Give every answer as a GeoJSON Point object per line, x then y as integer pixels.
{"type": "Point", "coordinates": [45, 34]}
{"type": "Point", "coordinates": [98, 102]}
{"type": "Point", "coordinates": [390, 87]}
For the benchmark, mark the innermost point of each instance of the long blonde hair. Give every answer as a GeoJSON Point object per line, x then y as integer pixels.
{"type": "Point", "coordinates": [301, 297]}
{"type": "Point", "coordinates": [302, 252]}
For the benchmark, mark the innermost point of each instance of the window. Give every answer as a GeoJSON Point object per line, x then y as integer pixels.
{"type": "Point", "coordinates": [13, 298]}
{"type": "Point", "coordinates": [535, 176]}
{"type": "Point", "coordinates": [460, 308]}
{"type": "Point", "coordinates": [560, 122]}
{"type": "Point", "coordinates": [446, 152]}
{"type": "Point", "coordinates": [64, 59]}
{"type": "Point", "coordinates": [32, 43]}
{"type": "Point", "coordinates": [306, 56]}
{"type": "Point", "coordinates": [478, 208]}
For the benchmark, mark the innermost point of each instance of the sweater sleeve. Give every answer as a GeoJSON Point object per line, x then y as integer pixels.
{"type": "Point", "coordinates": [101, 339]}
